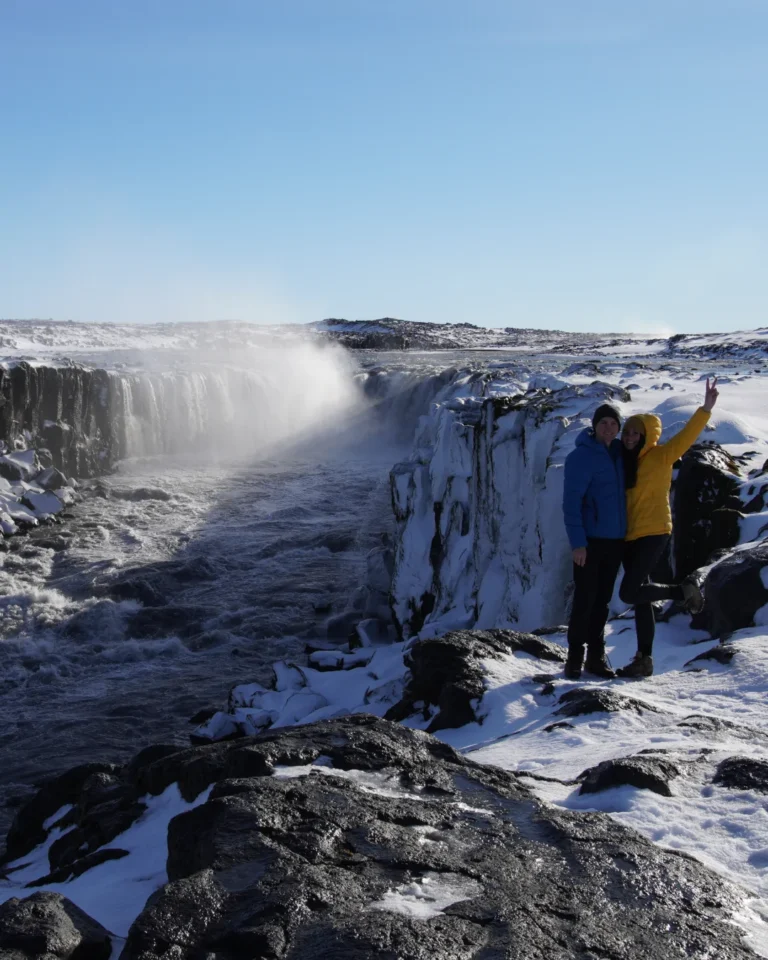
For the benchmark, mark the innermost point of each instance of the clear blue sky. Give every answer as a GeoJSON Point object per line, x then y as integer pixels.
{"type": "Point", "coordinates": [581, 164]}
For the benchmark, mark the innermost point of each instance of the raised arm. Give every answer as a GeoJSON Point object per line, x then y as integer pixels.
{"type": "Point", "coordinates": [676, 446]}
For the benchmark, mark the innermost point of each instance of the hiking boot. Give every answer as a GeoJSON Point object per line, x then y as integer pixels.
{"type": "Point", "coordinates": [693, 599]}
{"type": "Point", "coordinates": [599, 666]}
{"type": "Point", "coordinates": [572, 669]}
{"type": "Point", "coordinates": [639, 666]}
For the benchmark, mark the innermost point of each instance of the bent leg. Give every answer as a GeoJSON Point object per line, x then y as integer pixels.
{"type": "Point", "coordinates": [640, 557]}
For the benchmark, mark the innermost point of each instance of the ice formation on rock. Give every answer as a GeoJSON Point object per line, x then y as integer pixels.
{"type": "Point", "coordinates": [481, 539]}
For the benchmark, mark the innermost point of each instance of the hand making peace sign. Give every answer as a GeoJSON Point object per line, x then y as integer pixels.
{"type": "Point", "coordinates": [710, 395]}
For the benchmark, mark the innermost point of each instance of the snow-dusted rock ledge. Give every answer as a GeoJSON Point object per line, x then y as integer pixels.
{"type": "Point", "coordinates": [351, 837]}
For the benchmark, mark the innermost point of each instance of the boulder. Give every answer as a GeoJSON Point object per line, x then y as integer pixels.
{"type": "Point", "coordinates": [447, 672]}
{"type": "Point", "coordinates": [644, 772]}
{"type": "Point", "coordinates": [734, 592]}
{"type": "Point", "coordinates": [45, 926]}
{"type": "Point", "coordinates": [705, 506]}
{"type": "Point", "coordinates": [19, 465]}
{"type": "Point", "coordinates": [580, 701]}
{"type": "Point", "coordinates": [51, 479]}
{"type": "Point", "coordinates": [397, 846]}
{"type": "Point", "coordinates": [743, 773]}
{"type": "Point", "coordinates": [28, 828]}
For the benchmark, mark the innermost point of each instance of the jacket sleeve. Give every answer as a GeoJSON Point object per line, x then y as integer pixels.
{"type": "Point", "coordinates": [676, 446]}
{"type": "Point", "coordinates": [575, 484]}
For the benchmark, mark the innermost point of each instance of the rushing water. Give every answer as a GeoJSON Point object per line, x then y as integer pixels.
{"type": "Point", "coordinates": [183, 576]}
{"type": "Point", "coordinates": [239, 567]}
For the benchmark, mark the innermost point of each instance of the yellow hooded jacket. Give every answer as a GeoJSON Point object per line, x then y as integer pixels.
{"type": "Point", "coordinates": [648, 511]}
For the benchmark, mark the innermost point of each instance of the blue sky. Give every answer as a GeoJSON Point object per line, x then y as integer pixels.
{"type": "Point", "coordinates": [578, 164]}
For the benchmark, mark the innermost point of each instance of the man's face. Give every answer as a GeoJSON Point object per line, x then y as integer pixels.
{"type": "Point", "coordinates": [606, 430]}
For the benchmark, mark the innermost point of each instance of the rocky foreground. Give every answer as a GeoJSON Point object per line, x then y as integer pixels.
{"type": "Point", "coordinates": [358, 837]}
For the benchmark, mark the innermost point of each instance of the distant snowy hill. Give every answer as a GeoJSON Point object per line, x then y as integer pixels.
{"type": "Point", "coordinates": [54, 341]}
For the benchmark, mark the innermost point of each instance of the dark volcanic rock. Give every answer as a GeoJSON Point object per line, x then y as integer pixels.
{"type": "Point", "coordinates": [80, 866]}
{"type": "Point", "coordinates": [580, 701]}
{"type": "Point", "coordinates": [644, 772]}
{"type": "Point", "coordinates": [722, 653]}
{"type": "Point", "coordinates": [705, 521]}
{"type": "Point", "coordinates": [309, 867]}
{"type": "Point", "coordinates": [99, 826]}
{"type": "Point", "coordinates": [743, 773]}
{"type": "Point", "coordinates": [734, 592]}
{"type": "Point", "coordinates": [446, 672]}
{"type": "Point", "coordinates": [27, 828]}
{"type": "Point", "coordinates": [63, 409]}
{"type": "Point", "coordinates": [47, 926]}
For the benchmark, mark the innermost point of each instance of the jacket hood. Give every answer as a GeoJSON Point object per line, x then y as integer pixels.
{"type": "Point", "coordinates": [652, 426]}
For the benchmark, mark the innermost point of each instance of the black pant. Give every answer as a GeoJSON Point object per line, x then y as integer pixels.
{"type": "Point", "coordinates": [640, 557]}
{"type": "Point", "coordinates": [593, 588]}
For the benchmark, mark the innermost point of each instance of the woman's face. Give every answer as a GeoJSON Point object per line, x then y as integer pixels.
{"type": "Point", "coordinates": [630, 437]}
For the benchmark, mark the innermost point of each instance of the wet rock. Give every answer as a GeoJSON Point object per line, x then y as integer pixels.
{"type": "Point", "coordinates": [80, 866]}
{"type": "Point", "coordinates": [576, 703]}
{"type": "Point", "coordinates": [743, 773]}
{"type": "Point", "coordinates": [47, 926]}
{"type": "Point", "coordinates": [98, 788]}
{"type": "Point", "coordinates": [176, 918]}
{"type": "Point", "coordinates": [447, 672]}
{"type": "Point", "coordinates": [326, 866]}
{"type": "Point", "coordinates": [98, 826]}
{"type": "Point", "coordinates": [722, 653]}
{"type": "Point", "coordinates": [734, 592]}
{"type": "Point", "coordinates": [384, 745]}
{"type": "Point", "coordinates": [644, 772]}
{"type": "Point", "coordinates": [149, 755]}
{"type": "Point", "coordinates": [27, 829]}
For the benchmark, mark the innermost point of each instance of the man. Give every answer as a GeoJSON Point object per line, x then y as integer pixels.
{"type": "Point", "coordinates": [595, 513]}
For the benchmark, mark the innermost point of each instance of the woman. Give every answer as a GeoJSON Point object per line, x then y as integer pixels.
{"type": "Point", "coordinates": [594, 510]}
{"type": "Point", "coordinates": [648, 476]}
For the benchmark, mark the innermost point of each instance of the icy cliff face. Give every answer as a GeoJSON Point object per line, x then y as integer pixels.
{"type": "Point", "coordinates": [481, 539]}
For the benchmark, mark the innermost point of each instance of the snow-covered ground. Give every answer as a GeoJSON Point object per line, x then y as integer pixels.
{"type": "Point", "coordinates": [275, 546]}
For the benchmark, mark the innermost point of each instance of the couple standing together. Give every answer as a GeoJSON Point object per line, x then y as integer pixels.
{"type": "Point", "coordinates": [616, 510]}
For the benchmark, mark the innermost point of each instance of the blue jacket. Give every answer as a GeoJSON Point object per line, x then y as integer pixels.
{"type": "Point", "coordinates": [594, 502]}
